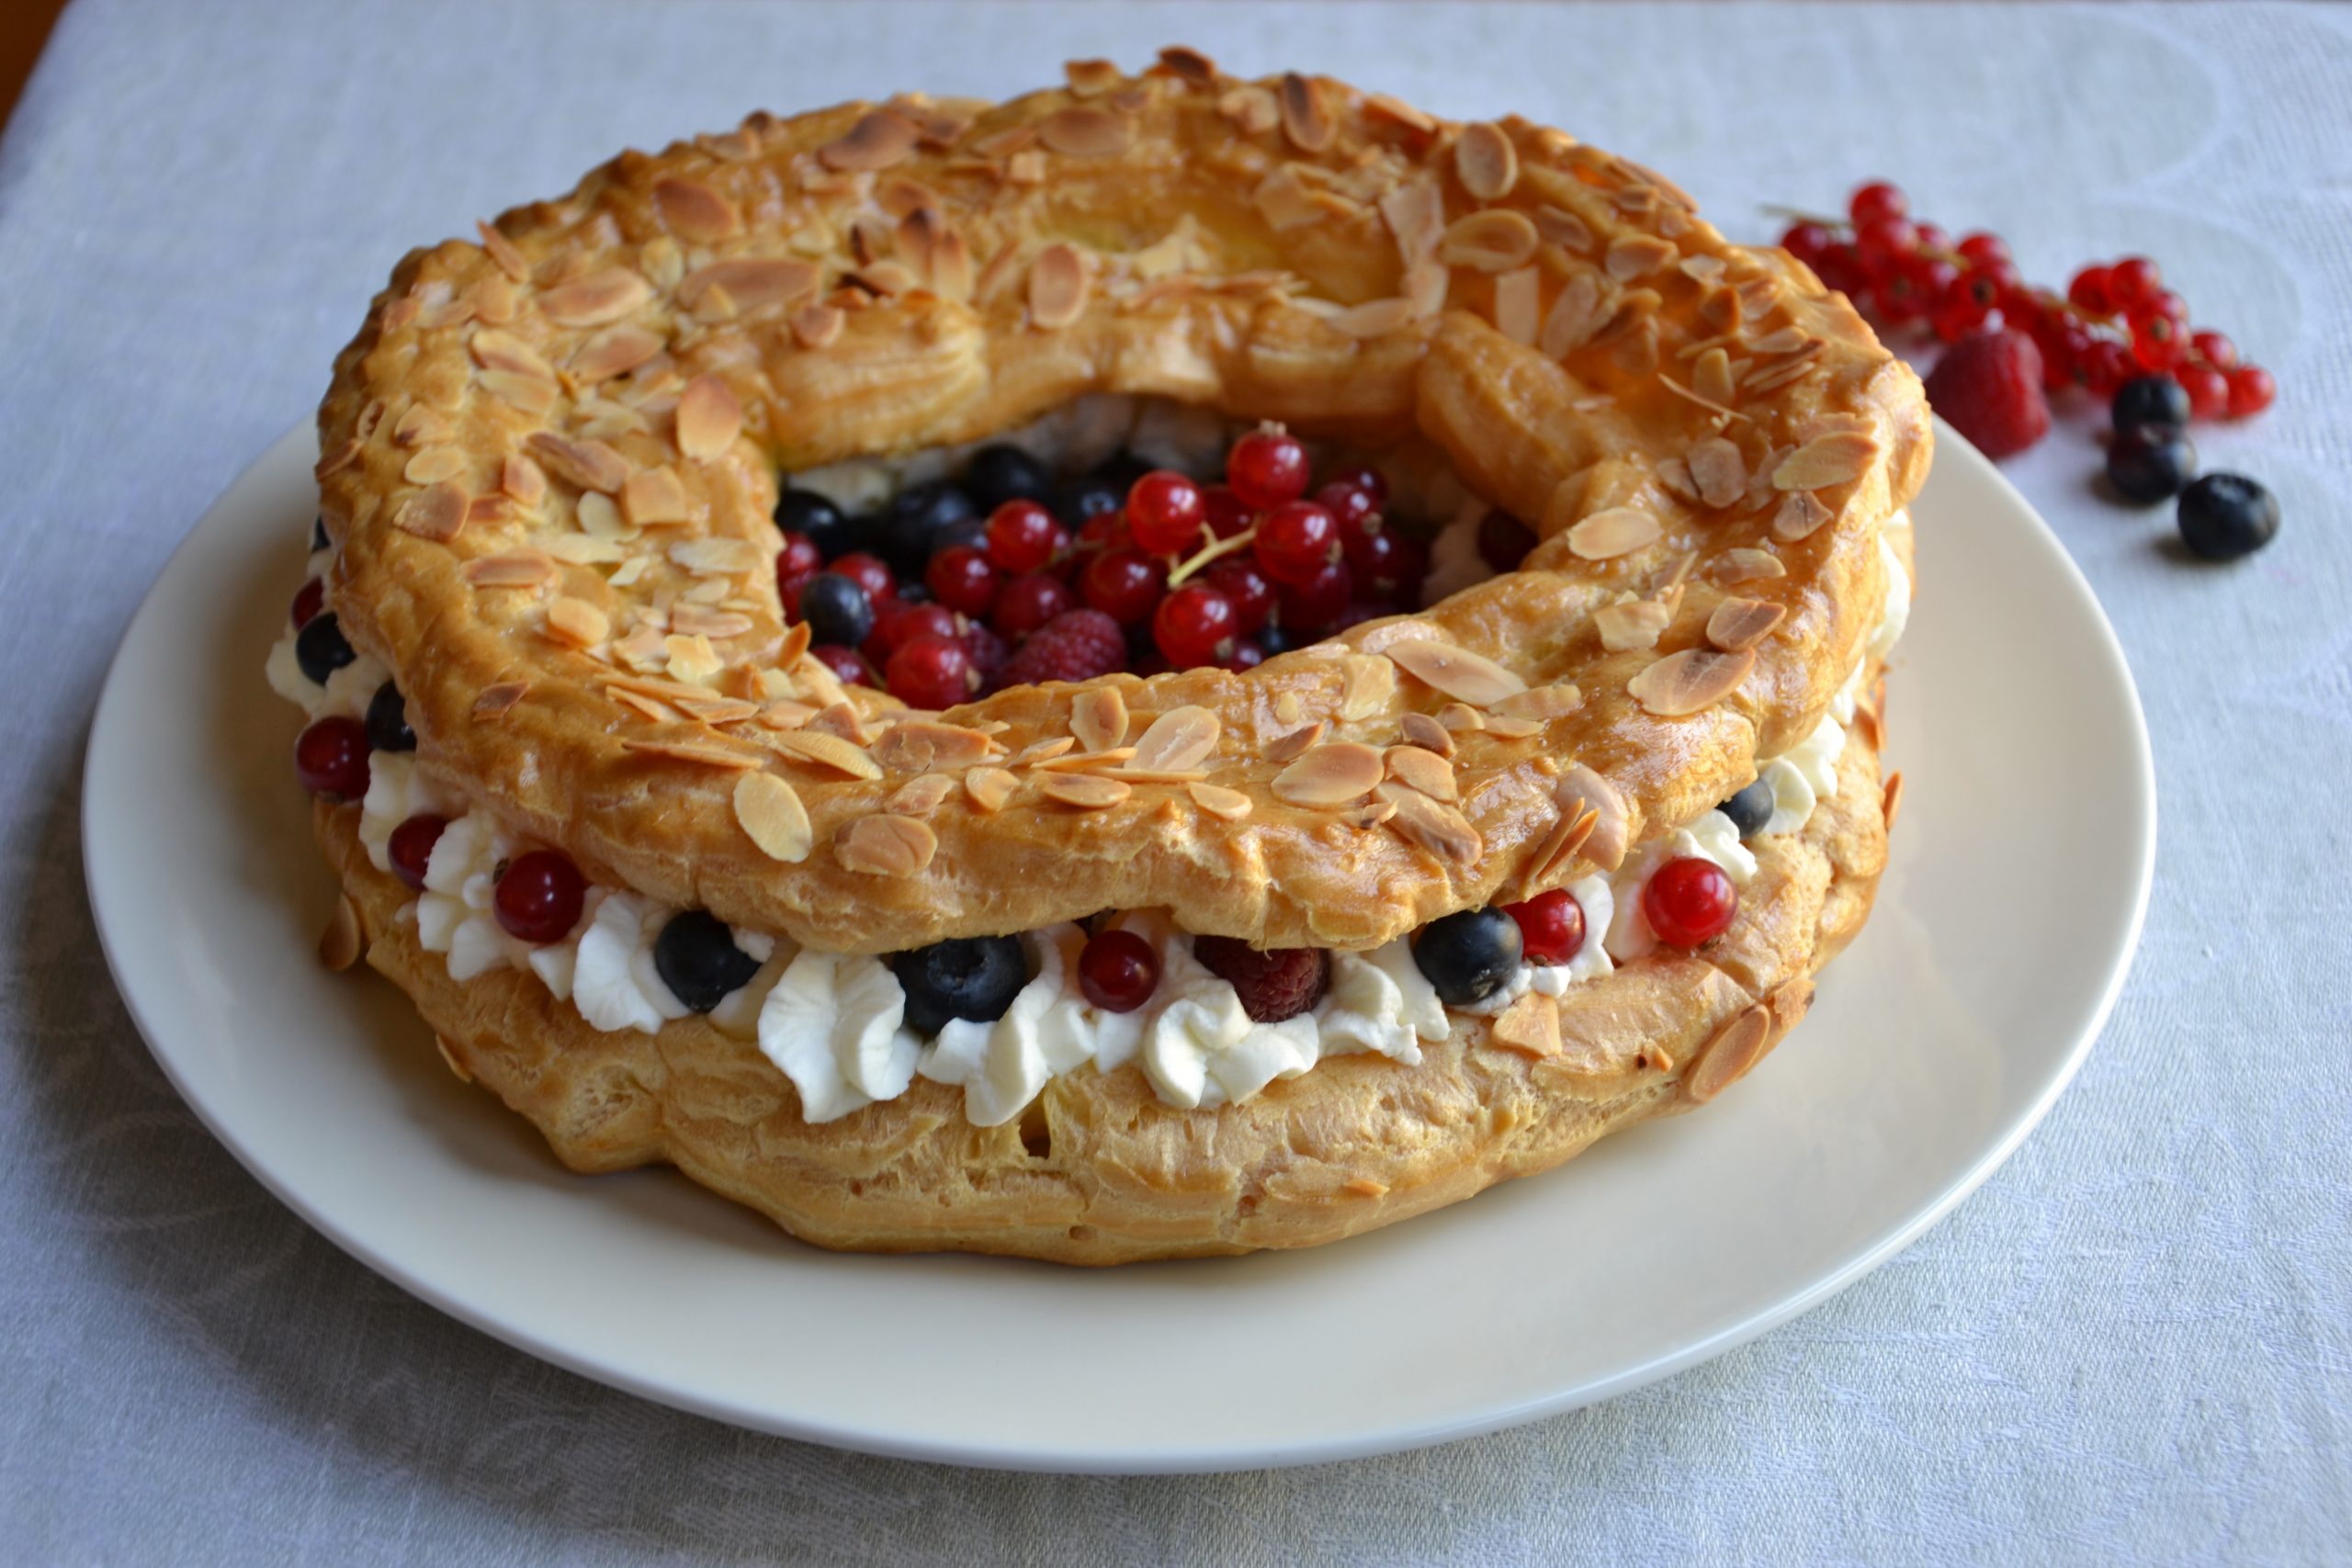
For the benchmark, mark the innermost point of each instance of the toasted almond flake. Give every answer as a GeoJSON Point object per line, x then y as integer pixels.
{"type": "Point", "coordinates": [1508, 729]}
{"type": "Point", "coordinates": [591, 464]}
{"type": "Point", "coordinates": [1415, 213]}
{"type": "Point", "coordinates": [1045, 751]}
{"type": "Point", "coordinates": [1574, 318]}
{"type": "Point", "coordinates": [1719, 471]}
{"type": "Point", "coordinates": [496, 350]}
{"type": "Point", "coordinates": [1367, 685]}
{"type": "Point", "coordinates": [1579, 790]}
{"type": "Point", "coordinates": [1432, 825]}
{"type": "Point", "coordinates": [1085, 762]}
{"type": "Point", "coordinates": [1486, 162]}
{"type": "Point", "coordinates": [1637, 255]}
{"type": "Point", "coordinates": [697, 620]}
{"type": "Point", "coordinates": [1471, 678]}
{"type": "Point", "coordinates": [1177, 741]}
{"type": "Point", "coordinates": [1564, 229]}
{"type": "Point", "coordinates": [816, 326]}
{"type": "Point", "coordinates": [494, 702]}
{"type": "Point", "coordinates": [694, 211]}
{"type": "Point", "coordinates": [823, 749]}
{"type": "Point", "coordinates": [717, 557]}
{"type": "Point", "coordinates": [1747, 566]}
{"type": "Point", "coordinates": [1189, 63]}
{"type": "Point", "coordinates": [842, 718]}
{"type": "Point", "coordinates": [1459, 718]}
{"type": "Point", "coordinates": [1230, 805]}
{"type": "Point", "coordinates": [922, 796]}
{"type": "Point", "coordinates": [435, 513]}
{"type": "Point", "coordinates": [1423, 770]}
{"type": "Point", "coordinates": [503, 251]}
{"type": "Point", "coordinates": [420, 426]}
{"type": "Point", "coordinates": [1711, 378]}
{"type": "Point", "coordinates": [1284, 748]}
{"type": "Point", "coordinates": [1891, 801]}
{"type": "Point", "coordinates": [576, 622]}
{"type": "Point", "coordinates": [1827, 460]}
{"type": "Point", "coordinates": [1421, 729]}
{"type": "Point", "coordinates": [1547, 868]}
{"type": "Point", "coordinates": [616, 351]}
{"type": "Point", "coordinates": [1541, 704]}
{"type": "Point", "coordinates": [1740, 624]}
{"type": "Point", "coordinates": [1098, 717]}
{"type": "Point", "coordinates": [886, 844]}
{"type": "Point", "coordinates": [1496, 239]}
{"type": "Point", "coordinates": [917, 746]}
{"type": "Point", "coordinates": [702, 753]}
{"type": "Point", "coordinates": [1517, 304]}
{"type": "Point", "coordinates": [691, 658]}
{"type": "Point", "coordinates": [342, 457]}
{"type": "Point", "coordinates": [1085, 791]}
{"type": "Point", "coordinates": [1799, 516]}
{"type": "Point", "coordinates": [654, 496]}
{"type": "Point", "coordinates": [1084, 130]}
{"type": "Point", "coordinates": [522, 568]}
{"type": "Point", "coordinates": [1403, 114]}
{"type": "Point", "coordinates": [345, 938]}
{"type": "Point", "coordinates": [1734, 1050]}
{"type": "Point", "coordinates": [1530, 1026]}
{"type": "Point", "coordinates": [1336, 773]}
{"type": "Point", "coordinates": [1619, 531]}
{"type": "Point", "coordinates": [878, 141]}
{"type": "Point", "coordinates": [605, 295]}
{"type": "Point", "coordinates": [599, 517]}
{"type": "Point", "coordinates": [1058, 286]}
{"type": "Point", "coordinates": [990, 787]}
{"type": "Point", "coordinates": [1376, 318]}
{"type": "Point", "coordinates": [526, 394]}
{"type": "Point", "coordinates": [719, 711]}
{"type": "Point", "coordinates": [743, 284]}
{"type": "Point", "coordinates": [770, 811]}
{"type": "Point", "coordinates": [1635, 624]}
{"type": "Point", "coordinates": [1306, 120]}
{"type": "Point", "coordinates": [1690, 681]}
{"type": "Point", "coordinates": [489, 509]}
{"type": "Point", "coordinates": [708, 418]}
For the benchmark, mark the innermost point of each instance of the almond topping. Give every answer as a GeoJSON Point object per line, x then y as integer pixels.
{"type": "Point", "coordinates": [1891, 801]}
{"type": "Point", "coordinates": [591, 300]}
{"type": "Point", "coordinates": [654, 496]}
{"type": "Point", "coordinates": [1494, 240]}
{"type": "Point", "coordinates": [1485, 161]}
{"type": "Point", "coordinates": [1824, 461]}
{"type": "Point", "coordinates": [1469, 677]}
{"type": "Point", "coordinates": [528, 394]}
{"type": "Point", "coordinates": [1460, 717]}
{"type": "Point", "coordinates": [1637, 255]}
{"type": "Point", "coordinates": [1217, 800]}
{"type": "Point", "coordinates": [717, 557]}
{"type": "Point", "coordinates": [1517, 304]}
{"type": "Point", "coordinates": [345, 939]}
{"type": "Point", "coordinates": [1424, 770]}
{"type": "Point", "coordinates": [1690, 681]}
{"type": "Point", "coordinates": [742, 284]}
{"type": "Point", "coordinates": [1284, 748]}
{"type": "Point", "coordinates": [1085, 791]}
{"type": "Point", "coordinates": [576, 622]}
{"type": "Point", "coordinates": [816, 326]}
{"type": "Point", "coordinates": [990, 787]}
{"type": "Point", "coordinates": [708, 418]}
{"type": "Point", "coordinates": [496, 350]}
{"type": "Point", "coordinates": [1541, 704]}
{"type": "Point", "coordinates": [1305, 119]}
{"type": "Point", "coordinates": [1098, 717]}
{"type": "Point", "coordinates": [916, 745]}
{"type": "Point", "coordinates": [921, 797]}
{"type": "Point", "coordinates": [1530, 1026]}
{"type": "Point", "coordinates": [1799, 516]}
{"type": "Point", "coordinates": [1574, 318]}
{"type": "Point", "coordinates": [495, 701]}
{"type": "Point", "coordinates": [702, 753]}
{"type": "Point", "coordinates": [695, 212]}
{"type": "Point", "coordinates": [1178, 740]}
{"type": "Point", "coordinates": [1084, 130]}
{"type": "Point", "coordinates": [770, 810]}
{"type": "Point", "coordinates": [1635, 624]}
{"type": "Point", "coordinates": [1579, 790]}
{"type": "Point", "coordinates": [886, 845]}
{"type": "Point", "coordinates": [1739, 624]}
{"type": "Point", "coordinates": [876, 141]}
{"type": "Point", "coordinates": [1421, 729]}
{"type": "Point", "coordinates": [1619, 531]}
{"type": "Point", "coordinates": [591, 464]}
{"type": "Point", "coordinates": [1733, 1051]}
{"type": "Point", "coordinates": [820, 749]}
{"type": "Point", "coordinates": [524, 569]}
{"type": "Point", "coordinates": [1719, 471]}
{"type": "Point", "coordinates": [1747, 566]}
{"type": "Point", "coordinates": [616, 351]}
{"type": "Point", "coordinates": [1432, 825]}
{"type": "Point", "coordinates": [1367, 687]}
{"type": "Point", "coordinates": [1058, 286]}
{"type": "Point", "coordinates": [1711, 378]}
{"type": "Point", "coordinates": [435, 513]}
{"type": "Point", "coordinates": [1334, 773]}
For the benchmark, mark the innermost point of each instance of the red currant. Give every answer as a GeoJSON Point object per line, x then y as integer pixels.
{"type": "Point", "coordinates": [846, 666]}
{"type": "Point", "coordinates": [1250, 590]}
{"type": "Point", "coordinates": [1103, 531]}
{"type": "Point", "coordinates": [870, 572]}
{"type": "Point", "coordinates": [988, 650]}
{"type": "Point", "coordinates": [1195, 624]}
{"type": "Point", "coordinates": [1929, 237]}
{"type": "Point", "coordinates": [2093, 292]}
{"type": "Point", "coordinates": [1314, 606]}
{"type": "Point", "coordinates": [539, 895]}
{"type": "Point", "coordinates": [2134, 281]}
{"type": "Point", "coordinates": [1245, 655]}
{"type": "Point", "coordinates": [1165, 513]}
{"type": "Point", "coordinates": [1363, 477]}
{"type": "Point", "coordinates": [1228, 514]}
{"type": "Point", "coordinates": [932, 673]}
{"type": "Point", "coordinates": [1551, 927]}
{"type": "Point", "coordinates": [1354, 509]}
{"type": "Point", "coordinates": [2251, 390]}
{"type": "Point", "coordinates": [896, 624]}
{"type": "Point", "coordinates": [331, 758]}
{"type": "Point", "coordinates": [1840, 269]}
{"type": "Point", "coordinates": [411, 848]}
{"type": "Point", "coordinates": [1385, 564]}
{"type": "Point", "coordinates": [1690, 901]}
{"type": "Point", "coordinates": [1125, 585]}
{"type": "Point", "coordinates": [2208, 390]}
{"type": "Point", "coordinates": [2066, 353]}
{"type": "Point", "coordinates": [2214, 349]}
{"type": "Point", "coordinates": [2157, 341]}
{"type": "Point", "coordinates": [961, 578]}
{"type": "Point", "coordinates": [1028, 603]}
{"type": "Point", "coordinates": [2106, 365]}
{"type": "Point", "coordinates": [1267, 467]}
{"type": "Point", "coordinates": [1118, 971]}
{"type": "Point", "coordinates": [1982, 248]}
{"type": "Point", "coordinates": [1504, 540]}
{"type": "Point", "coordinates": [1808, 242]}
{"type": "Point", "coordinates": [1992, 284]}
{"type": "Point", "coordinates": [1956, 318]}
{"type": "Point", "coordinates": [1878, 200]}
{"type": "Point", "coordinates": [308, 600]}
{"type": "Point", "coordinates": [1023, 536]}
{"type": "Point", "coordinates": [800, 558]}
{"type": "Point", "coordinates": [1297, 541]}
{"type": "Point", "coordinates": [1884, 243]}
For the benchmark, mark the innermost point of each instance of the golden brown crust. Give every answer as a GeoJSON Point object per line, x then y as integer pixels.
{"type": "Point", "coordinates": [608, 380]}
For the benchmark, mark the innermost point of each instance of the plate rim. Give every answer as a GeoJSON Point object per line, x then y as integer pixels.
{"type": "Point", "coordinates": [894, 1442]}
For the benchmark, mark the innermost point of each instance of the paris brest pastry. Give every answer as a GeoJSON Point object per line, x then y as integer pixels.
{"type": "Point", "coordinates": [657, 877]}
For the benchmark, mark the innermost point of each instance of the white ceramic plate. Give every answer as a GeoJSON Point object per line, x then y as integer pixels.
{"type": "Point", "coordinates": [1940, 1039]}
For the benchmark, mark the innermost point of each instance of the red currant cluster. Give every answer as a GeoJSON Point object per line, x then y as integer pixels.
{"type": "Point", "coordinates": [2115, 322]}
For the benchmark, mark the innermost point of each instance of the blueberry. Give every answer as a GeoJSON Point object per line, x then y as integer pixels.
{"type": "Point", "coordinates": [697, 957]}
{"type": "Point", "coordinates": [1469, 955]}
{"type": "Point", "coordinates": [1089, 495]}
{"type": "Point", "coordinates": [387, 728]}
{"type": "Point", "coordinates": [836, 609]}
{"type": "Point", "coordinates": [1001, 473]}
{"type": "Point", "coordinates": [974, 532]}
{"type": "Point", "coordinates": [915, 518]}
{"type": "Point", "coordinates": [2222, 516]}
{"type": "Point", "coordinates": [2149, 400]}
{"type": "Point", "coordinates": [321, 648]}
{"type": "Point", "coordinates": [1123, 470]}
{"type": "Point", "coordinates": [1272, 640]}
{"type": "Point", "coordinates": [806, 512]}
{"type": "Point", "coordinates": [319, 534]}
{"type": "Point", "coordinates": [2150, 463]}
{"type": "Point", "coordinates": [969, 977]}
{"type": "Point", "coordinates": [1749, 810]}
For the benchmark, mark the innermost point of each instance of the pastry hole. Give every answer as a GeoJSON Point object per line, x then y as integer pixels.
{"type": "Point", "coordinates": [1036, 1132]}
{"type": "Point", "coordinates": [1081, 1233]}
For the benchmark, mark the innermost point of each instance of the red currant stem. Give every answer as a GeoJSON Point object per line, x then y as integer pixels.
{"type": "Point", "coordinates": [1799, 215]}
{"type": "Point", "coordinates": [1216, 551]}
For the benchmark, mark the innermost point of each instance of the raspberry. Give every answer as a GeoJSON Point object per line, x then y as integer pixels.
{"type": "Point", "coordinates": [1273, 985]}
{"type": "Point", "coordinates": [1989, 386]}
{"type": "Point", "coordinates": [1077, 646]}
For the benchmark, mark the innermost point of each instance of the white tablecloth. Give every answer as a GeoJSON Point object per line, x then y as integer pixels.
{"type": "Point", "coordinates": [2134, 1344]}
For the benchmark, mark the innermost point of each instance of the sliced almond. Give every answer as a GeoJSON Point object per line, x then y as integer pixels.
{"type": "Point", "coordinates": [1747, 566]}
{"type": "Point", "coordinates": [990, 787]}
{"type": "Point", "coordinates": [1580, 790]}
{"type": "Point", "coordinates": [522, 569]}
{"type": "Point", "coordinates": [717, 557]}
{"type": "Point", "coordinates": [1739, 624]}
{"type": "Point", "coordinates": [1333, 774]}
{"type": "Point", "coordinates": [1423, 770]}
{"type": "Point", "coordinates": [495, 701]}
{"type": "Point", "coordinates": [768, 809]}
{"type": "Point", "coordinates": [1824, 461]}
{"type": "Point", "coordinates": [1619, 531]}
{"type": "Point", "coordinates": [703, 754]}
{"type": "Point", "coordinates": [591, 464]}
{"type": "Point", "coordinates": [1045, 750]}
{"type": "Point", "coordinates": [886, 844]}
{"type": "Point", "coordinates": [1217, 800]}
{"type": "Point", "coordinates": [1710, 376]}
{"type": "Point", "coordinates": [593, 298]}
{"type": "Point", "coordinates": [708, 418]}
{"type": "Point", "coordinates": [1432, 825]}
{"type": "Point", "coordinates": [576, 622]}
{"type": "Point", "coordinates": [1891, 801]}
{"type": "Point", "coordinates": [1461, 718]}
{"type": "Point", "coordinates": [1084, 130]}
{"type": "Point", "coordinates": [1799, 516]}
{"type": "Point", "coordinates": [1098, 717]}
{"type": "Point", "coordinates": [1058, 286]}
{"type": "Point", "coordinates": [1085, 791]}
{"type": "Point", "coordinates": [1178, 740]}
{"type": "Point", "coordinates": [1540, 704]}
{"type": "Point", "coordinates": [694, 211]}
{"type": "Point", "coordinates": [1509, 729]}
{"type": "Point", "coordinates": [1469, 677]}
{"type": "Point", "coordinates": [1574, 317]}
{"type": "Point", "coordinates": [652, 497]}
{"type": "Point", "coordinates": [524, 479]}
{"type": "Point", "coordinates": [878, 141]}
{"type": "Point", "coordinates": [918, 746]}
{"type": "Point", "coordinates": [435, 464]}
{"type": "Point", "coordinates": [1635, 624]}
{"type": "Point", "coordinates": [1530, 1026]}
{"type": "Point", "coordinates": [1285, 748]}
{"type": "Point", "coordinates": [1549, 865]}
{"type": "Point", "coordinates": [1306, 118]}
{"type": "Point", "coordinates": [1486, 162]}
{"type": "Point", "coordinates": [816, 326]}
{"type": "Point", "coordinates": [1519, 304]}
{"type": "Point", "coordinates": [1421, 729]}
{"type": "Point", "coordinates": [1084, 761]}
{"type": "Point", "coordinates": [823, 749]}
{"type": "Point", "coordinates": [616, 351]}
{"type": "Point", "coordinates": [921, 797]}
{"type": "Point", "coordinates": [1376, 318]}
{"type": "Point", "coordinates": [1367, 686]}
{"type": "Point", "coordinates": [1494, 239]}
{"type": "Point", "coordinates": [1730, 1053]}
{"type": "Point", "coordinates": [436, 513]}
{"type": "Point", "coordinates": [346, 937]}
{"type": "Point", "coordinates": [1719, 471]}
{"type": "Point", "coordinates": [742, 284]}
{"type": "Point", "coordinates": [1636, 256]}
{"type": "Point", "coordinates": [1690, 681]}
